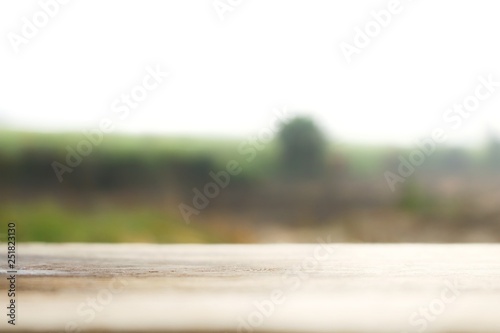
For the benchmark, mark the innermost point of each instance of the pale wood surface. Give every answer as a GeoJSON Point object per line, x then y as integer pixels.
{"type": "Point", "coordinates": [210, 288]}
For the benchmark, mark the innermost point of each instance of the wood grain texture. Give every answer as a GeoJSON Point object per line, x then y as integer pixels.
{"type": "Point", "coordinates": [255, 288]}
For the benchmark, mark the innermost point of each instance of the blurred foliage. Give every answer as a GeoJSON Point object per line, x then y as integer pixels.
{"type": "Point", "coordinates": [494, 152]}
{"type": "Point", "coordinates": [416, 200]}
{"type": "Point", "coordinates": [129, 187]}
{"type": "Point", "coordinates": [303, 149]}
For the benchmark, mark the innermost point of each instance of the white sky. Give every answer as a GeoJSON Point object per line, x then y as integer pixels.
{"type": "Point", "coordinates": [227, 76]}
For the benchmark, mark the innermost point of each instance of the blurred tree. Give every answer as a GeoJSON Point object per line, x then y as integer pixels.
{"type": "Point", "coordinates": [303, 148]}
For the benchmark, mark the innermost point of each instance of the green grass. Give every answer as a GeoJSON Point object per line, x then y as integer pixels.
{"type": "Point", "coordinates": [48, 221]}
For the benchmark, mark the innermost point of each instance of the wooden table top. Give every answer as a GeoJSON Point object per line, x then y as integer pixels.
{"type": "Point", "coordinates": [317, 287]}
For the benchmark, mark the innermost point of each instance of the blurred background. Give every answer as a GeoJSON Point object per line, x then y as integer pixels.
{"type": "Point", "coordinates": [262, 132]}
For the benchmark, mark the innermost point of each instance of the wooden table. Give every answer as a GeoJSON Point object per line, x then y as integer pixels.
{"type": "Point", "coordinates": [254, 288]}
